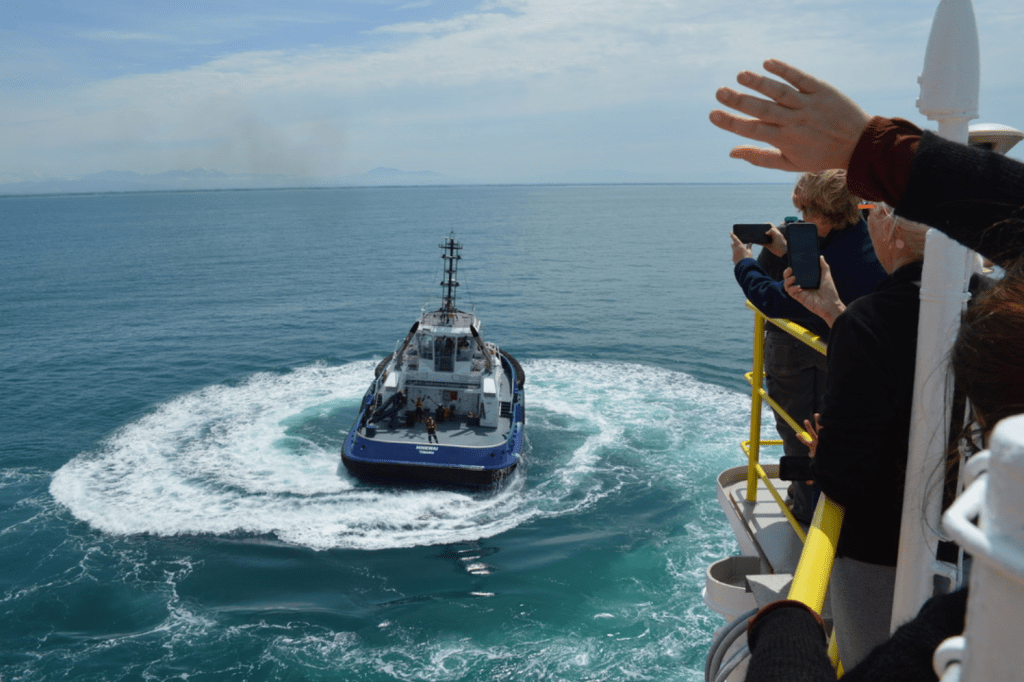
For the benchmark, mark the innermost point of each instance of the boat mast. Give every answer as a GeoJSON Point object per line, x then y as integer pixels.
{"type": "Point", "coordinates": [451, 258]}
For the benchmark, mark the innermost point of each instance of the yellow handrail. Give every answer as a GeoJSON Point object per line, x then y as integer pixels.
{"type": "Point", "coordinates": [800, 431]}
{"type": "Point", "coordinates": [833, 654]}
{"type": "Point", "coordinates": [811, 578]}
{"type": "Point", "coordinates": [752, 447]}
{"type": "Point", "coordinates": [756, 378]}
{"type": "Point", "coordinates": [793, 329]}
{"type": "Point", "coordinates": [759, 473]}
{"type": "Point", "coordinates": [810, 582]}
{"type": "Point", "coordinates": [797, 332]}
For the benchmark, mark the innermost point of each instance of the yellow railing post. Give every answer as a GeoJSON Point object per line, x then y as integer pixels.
{"type": "Point", "coordinates": [810, 582]}
{"type": "Point", "coordinates": [756, 380]}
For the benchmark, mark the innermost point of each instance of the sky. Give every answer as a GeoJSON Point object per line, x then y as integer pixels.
{"type": "Point", "coordinates": [477, 90]}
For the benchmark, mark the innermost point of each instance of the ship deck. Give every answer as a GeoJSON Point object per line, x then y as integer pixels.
{"type": "Point", "coordinates": [760, 527]}
{"type": "Point", "coordinates": [452, 432]}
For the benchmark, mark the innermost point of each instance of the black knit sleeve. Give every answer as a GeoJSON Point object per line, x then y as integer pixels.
{"type": "Point", "coordinates": [973, 195]}
{"type": "Point", "coordinates": [907, 655]}
{"type": "Point", "coordinates": [787, 644]}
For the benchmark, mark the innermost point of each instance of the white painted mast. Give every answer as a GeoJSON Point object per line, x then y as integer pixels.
{"type": "Point", "coordinates": [949, 95]}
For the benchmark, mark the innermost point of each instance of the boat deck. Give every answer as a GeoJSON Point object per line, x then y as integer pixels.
{"type": "Point", "coordinates": [451, 432]}
{"type": "Point", "coordinates": [760, 527]}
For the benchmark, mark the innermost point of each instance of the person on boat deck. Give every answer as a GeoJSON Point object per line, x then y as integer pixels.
{"type": "Point", "coordinates": [973, 195]}
{"type": "Point", "coordinates": [794, 372]}
{"type": "Point", "coordinates": [402, 401]}
{"type": "Point", "coordinates": [431, 430]}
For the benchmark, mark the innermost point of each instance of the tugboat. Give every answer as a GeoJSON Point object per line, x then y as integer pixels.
{"type": "Point", "coordinates": [445, 407]}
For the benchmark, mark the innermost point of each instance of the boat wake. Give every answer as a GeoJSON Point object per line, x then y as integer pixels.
{"type": "Point", "coordinates": [261, 458]}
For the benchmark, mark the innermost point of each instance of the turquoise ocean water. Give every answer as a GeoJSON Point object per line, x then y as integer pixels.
{"type": "Point", "coordinates": [179, 371]}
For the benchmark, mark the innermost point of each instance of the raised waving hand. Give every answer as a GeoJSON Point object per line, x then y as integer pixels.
{"type": "Point", "coordinates": [810, 125]}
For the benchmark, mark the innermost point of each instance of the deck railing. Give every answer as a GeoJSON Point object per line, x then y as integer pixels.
{"type": "Point", "coordinates": [758, 397]}
{"type": "Point", "coordinates": [810, 582]}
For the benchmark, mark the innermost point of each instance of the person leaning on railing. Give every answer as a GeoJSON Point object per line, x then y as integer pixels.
{"type": "Point", "coordinates": [786, 639]}
{"type": "Point", "coordinates": [973, 195]}
{"type": "Point", "coordinates": [860, 456]}
{"type": "Point", "coordinates": [794, 372]}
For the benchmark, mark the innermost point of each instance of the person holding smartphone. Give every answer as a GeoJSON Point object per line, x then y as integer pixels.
{"type": "Point", "coordinates": [794, 373]}
{"type": "Point", "coordinates": [861, 451]}
{"type": "Point", "coordinates": [975, 196]}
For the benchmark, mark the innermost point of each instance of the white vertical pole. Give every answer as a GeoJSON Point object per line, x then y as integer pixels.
{"type": "Point", "coordinates": [949, 95]}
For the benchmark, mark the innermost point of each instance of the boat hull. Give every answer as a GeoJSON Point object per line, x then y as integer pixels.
{"type": "Point", "coordinates": [397, 470]}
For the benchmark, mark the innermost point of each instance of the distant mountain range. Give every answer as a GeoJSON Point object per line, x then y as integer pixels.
{"type": "Point", "coordinates": [204, 179]}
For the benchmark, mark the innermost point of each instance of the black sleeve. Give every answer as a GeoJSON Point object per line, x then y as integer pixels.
{"type": "Point", "coordinates": [795, 468]}
{"type": "Point", "coordinates": [907, 655]}
{"type": "Point", "coordinates": [787, 644]}
{"type": "Point", "coordinates": [861, 399]}
{"type": "Point", "coordinates": [973, 195]}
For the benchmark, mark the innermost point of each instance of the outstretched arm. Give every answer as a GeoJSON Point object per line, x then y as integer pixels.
{"type": "Point", "coordinates": [810, 124]}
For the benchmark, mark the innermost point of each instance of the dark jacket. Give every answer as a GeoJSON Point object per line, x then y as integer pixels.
{"type": "Point", "coordinates": [788, 644]}
{"type": "Point", "coordinates": [849, 254]}
{"type": "Point", "coordinates": [862, 450]}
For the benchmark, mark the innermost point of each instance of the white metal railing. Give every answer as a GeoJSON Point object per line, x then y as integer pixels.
{"type": "Point", "coordinates": [990, 648]}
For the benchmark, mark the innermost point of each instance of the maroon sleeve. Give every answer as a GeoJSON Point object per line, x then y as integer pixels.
{"type": "Point", "coordinates": [880, 164]}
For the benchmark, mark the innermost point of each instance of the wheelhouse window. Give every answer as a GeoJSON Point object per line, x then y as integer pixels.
{"type": "Point", "coordinates": [465, 352]}
{"type": "Point", "coordinates": [444, 354]}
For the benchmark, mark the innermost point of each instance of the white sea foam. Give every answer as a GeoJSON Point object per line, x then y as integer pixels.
{"type": "Point", "coordinates": [262, 458]}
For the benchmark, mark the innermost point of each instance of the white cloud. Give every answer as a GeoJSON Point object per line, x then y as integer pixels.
{"type": "Point", "coordinates": [569, 81]}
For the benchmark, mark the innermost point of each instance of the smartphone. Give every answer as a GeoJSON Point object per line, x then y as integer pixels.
{"type": "Point", "coordinates": [795, 468]}
{"type": "Point", "coordinates": [803, 254]}
{"type": "Point", "coordinates": [753, 233]}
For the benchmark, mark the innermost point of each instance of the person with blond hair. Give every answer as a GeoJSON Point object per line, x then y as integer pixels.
{"type": "Point", "coordinates": [973, 195]}
{"type": "Point", "coordinates": [794, 372]}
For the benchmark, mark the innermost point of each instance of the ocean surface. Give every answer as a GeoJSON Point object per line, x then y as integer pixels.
{"type": "Point", "coordinates": [179, 371]}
